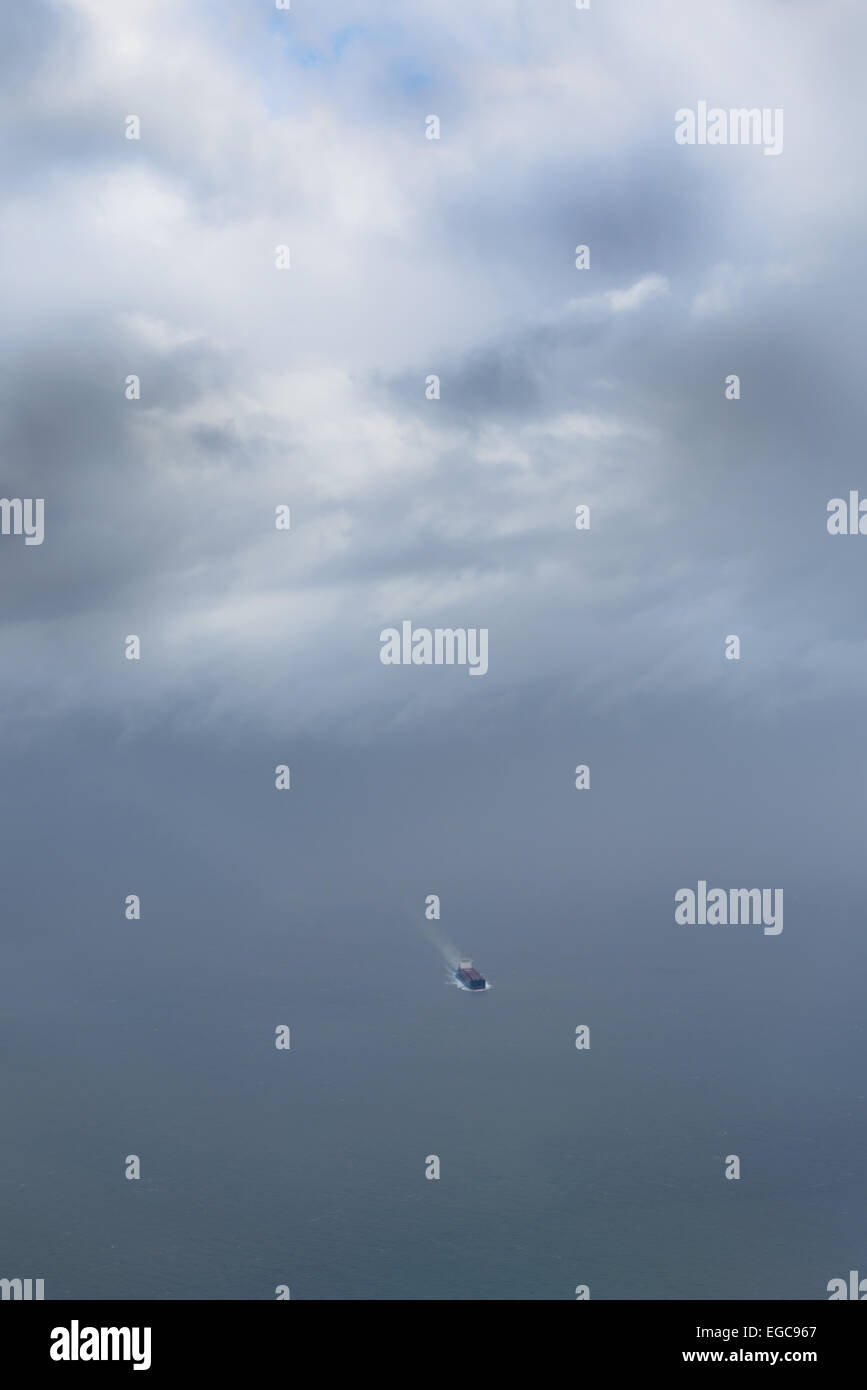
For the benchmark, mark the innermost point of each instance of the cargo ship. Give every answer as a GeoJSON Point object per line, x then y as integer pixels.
{"type": "Point", "coordinates": [468, 977]}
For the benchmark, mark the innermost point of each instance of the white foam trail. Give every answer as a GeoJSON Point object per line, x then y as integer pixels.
{"type": "Point", "coordinates": [450, 953]}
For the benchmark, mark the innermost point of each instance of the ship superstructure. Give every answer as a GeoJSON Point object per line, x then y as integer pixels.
{"type": "Point", "coordinates": [468, 977]}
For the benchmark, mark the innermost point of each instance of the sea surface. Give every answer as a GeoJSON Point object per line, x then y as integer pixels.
{"type": "Point", "coordinates": [306, 1167]}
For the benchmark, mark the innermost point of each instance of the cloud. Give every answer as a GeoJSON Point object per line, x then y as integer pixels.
{"type": "Point", "coordinates": [623, 301]}
{"type": "Point", "coordinates": [411, 257]}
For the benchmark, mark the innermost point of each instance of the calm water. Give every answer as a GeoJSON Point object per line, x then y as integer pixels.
{"type": "Point", "coordinates": [307, 1168]}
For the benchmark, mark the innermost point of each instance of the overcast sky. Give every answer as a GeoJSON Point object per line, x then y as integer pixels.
{"type": "Point", "coordinates": [409, 257]}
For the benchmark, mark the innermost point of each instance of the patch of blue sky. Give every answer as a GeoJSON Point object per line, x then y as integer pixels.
{"type": "Point", "coordinates": [283, 46]}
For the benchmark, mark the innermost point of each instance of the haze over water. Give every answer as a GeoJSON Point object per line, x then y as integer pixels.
{"type": "Point", "coordinates": [287, 373]}
{"type": "Point", "coordinates": [306, 1167]}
